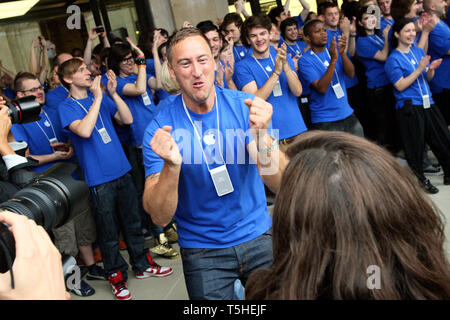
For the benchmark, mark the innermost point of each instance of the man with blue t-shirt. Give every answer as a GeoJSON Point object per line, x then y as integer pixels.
{"type": "Point", "coordinates": [231, 27]}
{"type": "Point", "coordinates": [289, 30]}
{"type": "Point", "coordinates": [45, 137]}
{"type": "Point", "coordinates": [386, 17]}
{"type": "Point", "coordinates": [271, 75]}
{"type": "Point", "coordinates": [47, 143]}
{"type": "Point", "coordinates": [439, 47]}
{"type": "Point", "coordinates": [323, 70]}
{"type": "Point", "coordinates": [56, 96]}
{"type": "Point", "coordinates": [206, 157]}
{"type": "Point", "coordinates": [88, 117]}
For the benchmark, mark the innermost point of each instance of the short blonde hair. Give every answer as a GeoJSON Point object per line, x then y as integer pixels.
{"type": "Point", "coordinates": [169, 84]}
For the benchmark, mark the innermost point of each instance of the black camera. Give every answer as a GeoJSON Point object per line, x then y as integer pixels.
{"type": "Point", "coordinates": [99, 29]}
{"type": "Point", "coordinates": [24, 110]}
{"type": "Point", "coordinates": [51, 199]}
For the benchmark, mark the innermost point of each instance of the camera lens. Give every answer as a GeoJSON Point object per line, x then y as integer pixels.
{"type": "Point", "coordinates": [52, 199]}
{"type": "Point", "coordinates": [24, 110]}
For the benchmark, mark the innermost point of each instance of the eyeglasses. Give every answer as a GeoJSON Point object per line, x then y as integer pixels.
{"type": "Point", "coordinates": [127, 60]}
{"type": "Point", "coordinates": [33, 90]}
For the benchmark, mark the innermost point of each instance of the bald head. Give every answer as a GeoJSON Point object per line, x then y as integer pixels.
{"type": "Point", "coordinates": [435, 6]}
{"type": "Point", "coordinates": [63, 57]}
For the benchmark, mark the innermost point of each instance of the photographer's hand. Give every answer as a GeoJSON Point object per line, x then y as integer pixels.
{"type": "Point", "coordinates": [37, 268]}
{"type": "Point", "coordinates": [5, 127]}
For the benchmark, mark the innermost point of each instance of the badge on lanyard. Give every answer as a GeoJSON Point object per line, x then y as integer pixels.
{"type": "Point", "coordinates": [105, 136]}
{"type": "Point", "coordinates": [221, 180]}
{"type": "Point", "coordinates": [146, 99]}
{"type": "Point", "coordinates": [53, 140]}
{"type": "Point", "coordinates": [338, 91]}
{"type": "Point", "coordinates": [426, 101]}
{"type": "Point", "coordinates": [277, 92]}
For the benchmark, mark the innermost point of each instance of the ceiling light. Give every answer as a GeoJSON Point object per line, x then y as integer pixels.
{"type": "Point", "coordinates": [15, 8]}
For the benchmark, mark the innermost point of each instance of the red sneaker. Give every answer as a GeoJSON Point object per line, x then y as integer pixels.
{"type": "Point", "coordinates": [155, 270]}
{"type": "Point", "coordinates": [119, 286]}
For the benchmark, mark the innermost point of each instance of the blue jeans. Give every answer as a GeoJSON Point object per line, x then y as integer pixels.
{"type": "Point", "coordinates": [115, 207]}
{"type": "Point", "coordinates": [211, 273]}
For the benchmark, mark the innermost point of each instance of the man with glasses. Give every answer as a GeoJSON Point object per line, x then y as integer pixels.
{"type": "Point", "coordinates": [48, 143]}
{"type": "Point", "coordinates": [46, 139]}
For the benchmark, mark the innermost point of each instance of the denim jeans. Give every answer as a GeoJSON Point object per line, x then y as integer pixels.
{"type": "Point", "coordinates": [211, 273]}
{"type": "Point", "coordinates": [115, 206]}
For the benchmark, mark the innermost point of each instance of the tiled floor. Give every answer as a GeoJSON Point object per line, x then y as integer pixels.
{"type": "Point", "coordinates": [174, 288]}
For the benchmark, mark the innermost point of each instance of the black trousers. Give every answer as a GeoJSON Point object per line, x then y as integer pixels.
{"type": "Point", "coordinates": [381, 110]}
{"type": "Point", "coordinates": [417, 126]}
{"type": "Point", "coordinates": [443, 101]}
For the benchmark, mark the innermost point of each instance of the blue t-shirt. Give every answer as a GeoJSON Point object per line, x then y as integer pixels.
{"type": "Point", "coordinates": [150, 66]}
{"type": "Point", "coordinates": [39, 133]}
{"type": "Point", "coordinates": [438, 46]}
{"type": "Point", "coordinates": [286, 113]}
{"type": "Point", "coordinates": [100, 162]}
{"type": "Point", "coordinates": [366, 48]}
{"type": "Point", "coordinates": [447, 20]}
{"type": "Point", "coordinates": [299, 20]}
{"type": "Point", "coordinates": [204, 219]}
{"type": "Point", "coordinates": [161, 94]}
{"type": "Point", "coordinates": [9, 93]}
{"type": "Point", "coordinates": [141, 107]}
{"type": "Point", "coordinates": [54, 97]}
{"type": "Point", "coordinates": [296, 48]}
{"type": "Point", "coordinates": [349, 82]}
{"type": "Point", "coordinates": [324, 107]}
{"type": "Point", "coordinates": [383, 23]}
{"type": "Point", "coordinates": [240, 52]}
{"type": "Point", "coordinates": [400, 65]}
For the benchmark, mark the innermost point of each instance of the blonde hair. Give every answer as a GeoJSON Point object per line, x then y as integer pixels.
{"type": "Point", "coordinates": [169, 84]}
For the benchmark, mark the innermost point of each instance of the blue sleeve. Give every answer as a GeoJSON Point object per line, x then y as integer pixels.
{"type": "Point", "coordinates": [365, 49]}
{"type": "Point", "coordinates": [242, 75]}
{"type": "Point", "coordinates": [393, 70]}
{"type": "Point", "coordinates": [150, 67]}
{"type": "Point", "coordinates": [291, 62]}
{"type": "Point", "coordinates": [110, 105]}
{"type": "Point", "coordinates": [19, 133]}
{"type": "Point", "coordinates": [152, 162]}
{"type": "Point", "coordinates": [120, 84]}
{"type": "Point", "coordinates": [61, 134]}
{"type": "Point", "coordinates": [68, 113]}
{"type": "Point", "coordinates": [439, 40]}
{"type": "Point", "coordinates": [307, 70]}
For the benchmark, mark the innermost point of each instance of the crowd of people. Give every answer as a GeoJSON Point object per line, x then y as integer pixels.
{"type": "Point", "coordinates": [181, 136]}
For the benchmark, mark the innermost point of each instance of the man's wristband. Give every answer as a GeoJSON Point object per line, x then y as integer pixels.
{"type": "Point", "coordinates": [140, 61]}
{"type": "Point", "coordinates": [270, 148]}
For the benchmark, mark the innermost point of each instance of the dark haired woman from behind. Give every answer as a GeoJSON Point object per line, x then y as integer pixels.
{"type": "Point", "coordinates": [346, 207]}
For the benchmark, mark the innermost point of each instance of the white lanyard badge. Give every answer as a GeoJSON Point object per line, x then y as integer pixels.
{"type": "Point", "coordinates": [50, 140]}
{"type": "Point", "coordinates": [102, 132]}
{"type": "Point", "coordinates": [337, 88]}
{"type": "Point", "coordinates": [277, 92]}
{"type": "Point", "coordinates": [425, 97]}
{"type": "Point", "coordinates": [220, 177]}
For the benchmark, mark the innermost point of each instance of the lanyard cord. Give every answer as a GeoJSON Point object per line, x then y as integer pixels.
{"type": "Point", "coordinates": [323, 64]}
{"type": "Point", "coordinates": [270, 55]}
{"type": "Point", "coordinates": [198, 135]}
{"type": "Point", "coordinates": [51, 125]}
{"type": "Point", "coordinates": [421, 74]}
{"type": "Point", "coordinates": [101, 119]}
{"type": "Point", "coordinates": [377, 40]}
